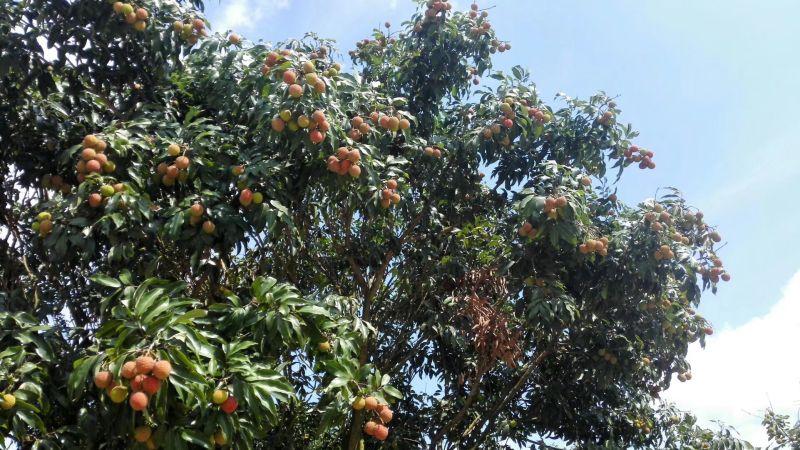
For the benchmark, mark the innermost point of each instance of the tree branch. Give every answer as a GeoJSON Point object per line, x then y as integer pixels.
{"type": "Point", "coordinates": [479, 421]}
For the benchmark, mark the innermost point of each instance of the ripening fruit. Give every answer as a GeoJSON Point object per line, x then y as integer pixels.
{"type": "Point", "coordinates": [508, 123]}
{"type": "Point", "coordinates": [196, 210]}
{"type": "Point", "coordinates": [405, 124]}
{"type": "Point", "coordinates": [391, 184]}
{"type": "Point", "coordinates": [219, 438]}
{"type": "Point", "coordinates": [354, 171]}
{"type": "Point", "coordinates": [311, 79]}
{"type": "Point", "coordinates": [342, 153]}
{"type": "Point", "coordinates": [318, 116]}
{"type": "Point", "coordinates": [354, 155]}
{"type": "Point", "coordinates": [108, 167]}
{"type": "Point", "coordinates": [106, 190]}
{"type": "Point", "coordinates": [144, 365]}
{"type": "Point", "coordinates": [437, 153]}
{"type": "Point", "coordinates": [308, 67]}
{"type": "Point", "coordinates": [209, 227]}
{"type": "Point", "coordinates": [369, 428]}
{"type": "Point", "coordinates": [91, 140]}
{"type": "Point", "coordinates": [103, 379]}
{"type": "Point", "coordinates": [118, 7]}
{"type": "Point", "coordinates": [358, 403]}
{"type": "Point", "coordinates": [386, 415]}
{"type": "Point", "coordinates": [385, 203]}
{"type": "Point", "coordinates": [237, 170]}
{"type": "Point", "coordinates": [95, 200]}
{"type": "Point", "coordinates": [246, 197]}
{"type": "Point", "coordinates": [142, 433]}
{"type": "Point", "coordinates": [181, 162]}
{"type": "Point", "coordinates": [258, 198]}
{"type": "Point", "coordinates": [129, 370]}
{"type": "Point", "coordinates": [136, 383]}
{"type": "Point", "coordinates": [140, 25]}
{"type": "Point", "coordinates": [319, 87]}
{"type": "Point", "coordinates": [172, 171]}
{"type": "Point", "coordinates": [371, 403]}
{"type": "Point", "coordinates": [150, 385]}
{"type": "Point", "coordinates": [235, 39]}
{"type": "Point", "coordinates": [295, 90]}
{"type": "Point", "coordinates": [229, 405]}
{"type": "Point", "coordinates": [174, 150]}
{"type": "Point", "coordinates": [586, 181]}
{"type": "Point", "coordinates": [219, 396]}
{"type": "Point", "coordinates": [561, 201]}
{"type": "Point", "coordinates": [428, 151]}
{"type": "Point", "coordinates": [381, 433]}
{"type": "Point", "coordinates": [88, 154]}
{"type": "Point", "coordinates": [142, 14]}
{"type": "Point", "coordinates": [45, 227]}
{"type": "Point", "coordinates": [393, 123]}
{"type": "Point", "coordinates": [286, 115]}
{"type": "Point", "coordinates": [715, 236]}
{"type": "Point", "coordinates": [316, 136]}
{"type": "Point", "coordinates": [93, 166]}
{"type": "Point", "coordinates": [118, 394]}
{"type": "Point", "coordinates": [290, 77]}
{"type": "Point", "coordinates": [8, 401]}
{"type": "Point", "coordinates": [139, 401]}
{"type": "Point", "coordinates": [525, 229]}
{"type": "Point", "coordinates": [278, 124]}
{"type": "Point", "coordinates": [130, 18]}
{"type": "Point", "coordinates": [325, 346]}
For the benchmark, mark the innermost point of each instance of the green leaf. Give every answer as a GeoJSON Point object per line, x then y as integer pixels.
{"type": "Point", "coordinates": [105, 280]}
{"type": "Point", "coordinates": [191, 315]}
{"type": "Point", "coordinates": [196, 438]}
{"type": "Point", "coordinates": [79, 376]}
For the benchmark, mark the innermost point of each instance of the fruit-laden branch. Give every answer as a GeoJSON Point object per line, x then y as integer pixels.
{"type": "Point", "coordinates": [369, 294]}
{"type": "Point", "coordinates": [479, 421]}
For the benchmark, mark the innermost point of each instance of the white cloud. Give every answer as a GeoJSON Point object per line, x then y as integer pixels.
{"type": "Point", "coordinates": [246, 14]}
{"type": "Point", "coordinates": [745, 369]}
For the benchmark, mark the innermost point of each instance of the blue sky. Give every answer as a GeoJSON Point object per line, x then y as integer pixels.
{"type": "Point", "coordinates": [712, 86]}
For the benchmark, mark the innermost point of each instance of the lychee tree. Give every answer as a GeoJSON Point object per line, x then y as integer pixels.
{"type": "Point", "coordinates": [213, 242]}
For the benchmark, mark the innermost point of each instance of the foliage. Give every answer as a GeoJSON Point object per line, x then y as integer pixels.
{"type": "Point", "coordinates": [300, 238]}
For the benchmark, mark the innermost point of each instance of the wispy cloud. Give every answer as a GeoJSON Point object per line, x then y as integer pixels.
{"type": "Point", "coordinates": [246, 14]}
{"type": "Point", "coordinates": [745, 369]}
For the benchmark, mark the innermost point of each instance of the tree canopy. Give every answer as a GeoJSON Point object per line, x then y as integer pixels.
{"type": "Point", "coordinates": [210, 242]}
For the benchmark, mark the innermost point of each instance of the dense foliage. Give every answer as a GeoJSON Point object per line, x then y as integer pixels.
{"type": "Point", "coordinates": [210, 242]}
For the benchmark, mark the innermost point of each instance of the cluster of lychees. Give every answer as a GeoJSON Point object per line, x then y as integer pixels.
{"type": "Point", "coordinates": [389, 195]}
{"type": "Point", "coordinates": [383, 415]}
{"type": "Point", "coordinates": [134, 16]}
{"type": "Point", "coordinates": [93, 158]}
{"type": "Point", "coordinates": [392, 122]}
{"type": "Point", "coordinates": [345, 162]}
{"type": "Point", "coordinates": [144, 377]}
{"type": "Point", "coordinates": [190, 31]}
